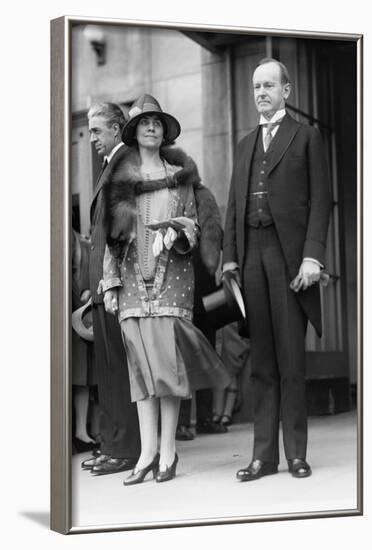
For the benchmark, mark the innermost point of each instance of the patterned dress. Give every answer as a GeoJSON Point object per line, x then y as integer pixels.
{"type": "Point", "coordinates": [167, 354]}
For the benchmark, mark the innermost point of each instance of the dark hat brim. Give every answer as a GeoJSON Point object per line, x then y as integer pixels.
{"type": "Point", "coordinates": [172, 127]}
{"type": "Point", "coordinates": [226, 304]}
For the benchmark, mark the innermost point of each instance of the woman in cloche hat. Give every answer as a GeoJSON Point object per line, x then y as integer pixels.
{"type": "Point", "coordinates": [156, 212]}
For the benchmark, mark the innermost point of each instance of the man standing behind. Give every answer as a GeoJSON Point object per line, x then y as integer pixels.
{"type": "Point", "coordinates": [276, 228]}
{"type": "Point", "coordinates": [119, 422]}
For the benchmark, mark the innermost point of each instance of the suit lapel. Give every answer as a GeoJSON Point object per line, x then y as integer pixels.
{"type": "Point", "coordinates": [102, 178]}
{"type": "Point", "coordinates": [247, 163]}
{"type": "Point", "coordinates": [282, 140]}
{"type": "Point", "coordinates": [105, 176]}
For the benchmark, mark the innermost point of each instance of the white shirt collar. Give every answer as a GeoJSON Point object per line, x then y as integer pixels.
{"type": "Point", "coordinates": [276, 116]}
{"type": "Point", "coordinates": [116, 148]}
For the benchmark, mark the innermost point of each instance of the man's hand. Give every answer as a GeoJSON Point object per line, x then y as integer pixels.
{"type": "Point", "coordinates": [110, 300]}
{"type": "Point", "coordinates": [308, 274]}
{"type": "Point", "coordinates": [85, 295]}
{"type": "Point", "coordinates": [232, 268]}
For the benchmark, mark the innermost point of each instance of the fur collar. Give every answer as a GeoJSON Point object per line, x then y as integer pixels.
{"type": "Point", "coordinates": [126, 183]}
{"type": "Point", "coordinates": [128, 171]}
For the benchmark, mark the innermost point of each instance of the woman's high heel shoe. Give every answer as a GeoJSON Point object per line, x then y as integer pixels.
{"type": "Point", "coordinates": [169, 473]}
{"type": "Point", "coordinates": [137, 476]}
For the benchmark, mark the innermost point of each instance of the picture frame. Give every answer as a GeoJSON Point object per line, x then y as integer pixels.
{"type": "Point", "coordinates": [213, 40]}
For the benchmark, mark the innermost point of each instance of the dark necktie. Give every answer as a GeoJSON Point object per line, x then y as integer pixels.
{"type": "Point", "coordinates": [269, 134]}
{"type": "Point", "coordinates": [104, 164]}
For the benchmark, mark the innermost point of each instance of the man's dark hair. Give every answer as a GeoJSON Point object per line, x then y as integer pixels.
{"type": "Point", "coordinates": [109, 111]}
{"type": "Point", "coordinates": [284, 74]}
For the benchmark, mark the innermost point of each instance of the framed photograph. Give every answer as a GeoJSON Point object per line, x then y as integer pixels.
{"type": "Point", "coordinates": [200, 85]}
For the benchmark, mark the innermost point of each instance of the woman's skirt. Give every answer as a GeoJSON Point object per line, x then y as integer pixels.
{"type": "Point", "coordinates": [169, 356]}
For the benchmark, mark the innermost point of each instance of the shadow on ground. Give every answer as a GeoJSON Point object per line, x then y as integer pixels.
{"type": "Point", "coordinates": [42, 518]}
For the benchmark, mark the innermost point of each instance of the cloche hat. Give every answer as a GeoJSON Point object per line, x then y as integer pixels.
{"type": "Point", "coordinates": [148, 105]}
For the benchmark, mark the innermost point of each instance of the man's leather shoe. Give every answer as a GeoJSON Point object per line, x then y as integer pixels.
{"type": "Point", "coordinates": [95, 461]}
{"type": "Point", "coordinates": [298, 467]}
{"type": "Point", "coordinates": [184, 434]}
{"type": "Point", "coordinates": [256, 469]}
{"type": "Point", "coordinates": [113, 466]}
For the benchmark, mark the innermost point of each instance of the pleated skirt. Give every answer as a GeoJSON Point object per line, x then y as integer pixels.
{"type": "Point", "coordinates": [169, 356]}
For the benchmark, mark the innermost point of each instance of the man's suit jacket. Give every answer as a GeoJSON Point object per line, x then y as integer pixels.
{"type": "Point", "coordinates": [98, 230]}
{"type": "Point", "coordinates": [299, 198]}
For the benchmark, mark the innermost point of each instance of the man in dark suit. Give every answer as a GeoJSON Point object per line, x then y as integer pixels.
{"type": "Point", "coordinates": [119, 422]}
{"type": "Point", "coordinates": [275, 234]}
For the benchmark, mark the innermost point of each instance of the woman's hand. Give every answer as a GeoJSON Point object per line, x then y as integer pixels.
{"type": "Point", "coordinates": [110, 300]}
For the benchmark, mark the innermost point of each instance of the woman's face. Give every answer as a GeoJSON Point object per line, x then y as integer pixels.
{"type": "Point", "coordinates": [150, 132]}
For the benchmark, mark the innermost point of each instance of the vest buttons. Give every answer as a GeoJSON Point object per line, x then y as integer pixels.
{"type": "Point", "coordinates": [260, 183]}
{"type": "Point", "coordinates": [92, 247]}
{"type": "Point", "coordinates": [260, 210]}
{"type": "Point", "coordinates": [264, 162]}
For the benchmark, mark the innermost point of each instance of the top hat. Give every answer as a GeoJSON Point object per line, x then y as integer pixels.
{"type": "Point", "coordinates": [82, 321]}
{"type": "Point", "coordinates": [148, 105]}
{"type": "Point", "coordinates": [226, 304]}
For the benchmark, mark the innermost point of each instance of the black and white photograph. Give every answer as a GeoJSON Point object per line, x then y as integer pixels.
{"type": "Point", "coordinates": [134, 134]}
{"type": "Point", "coordinates": [213, 198]}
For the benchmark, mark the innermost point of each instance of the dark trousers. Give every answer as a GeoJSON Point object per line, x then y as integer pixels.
{"type": "Point", "coordinates": [204, 408]}
{"type": "Point", "coordinates": [203, 398]}
{"type": "Point", "coordinates": [119, 421]}
{"type": "Point", "coordinates": [277, 327]}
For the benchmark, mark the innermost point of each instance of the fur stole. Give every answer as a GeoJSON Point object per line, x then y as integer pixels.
{"type": "Point", "coordinates": [125, 184]}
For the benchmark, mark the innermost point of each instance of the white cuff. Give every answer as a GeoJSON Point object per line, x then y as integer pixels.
{"type": "Point", "coordinates": [108, 284]}
{"type": "Point", "coordinates": [229, 266]}
{"type": "Point", "coordinates": [314, 262]}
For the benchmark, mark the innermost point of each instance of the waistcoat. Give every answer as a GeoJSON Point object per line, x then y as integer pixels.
{"type": "Point", "coordinates": [258, 211]}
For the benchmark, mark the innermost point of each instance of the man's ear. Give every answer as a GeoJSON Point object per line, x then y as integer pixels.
{"type": "Point", "coordinates": [287, 90]}
{"type": "Point", "coordinates": [116, 128]}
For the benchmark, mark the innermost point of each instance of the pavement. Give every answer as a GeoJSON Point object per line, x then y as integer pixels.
{"type": "Point", "coordinates": [206, 491]}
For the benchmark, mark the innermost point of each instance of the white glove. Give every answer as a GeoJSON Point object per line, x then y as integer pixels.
{"type": "Point", "coordinates": [169, 238]}
{"type": "Point", "coordinates": [157, 245]}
